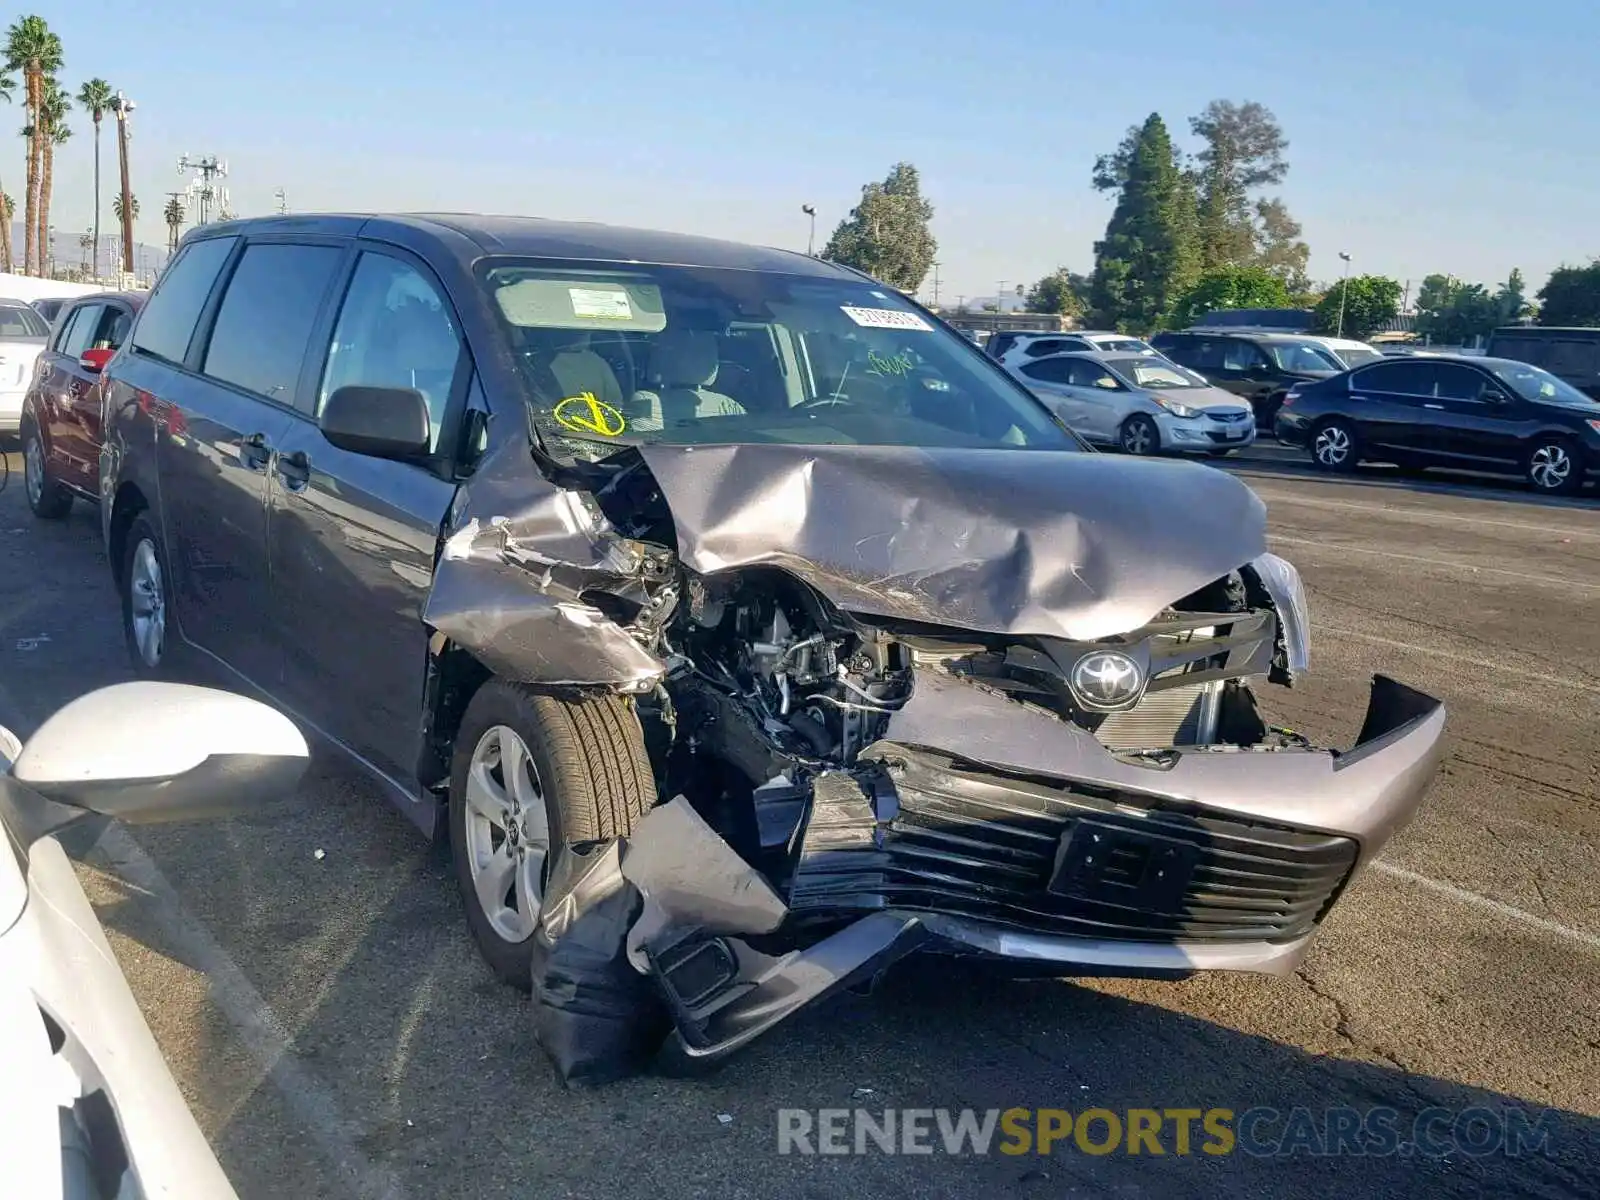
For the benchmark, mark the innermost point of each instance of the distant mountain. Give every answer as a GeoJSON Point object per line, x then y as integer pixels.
{"type": "Point", "coordinates": [148, 257]}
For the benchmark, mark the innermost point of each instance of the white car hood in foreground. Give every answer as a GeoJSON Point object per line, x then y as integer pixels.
{"type": "Point", "coordinates": [54, 958]}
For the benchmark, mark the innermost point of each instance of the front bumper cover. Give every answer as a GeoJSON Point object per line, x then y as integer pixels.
{"type": "Point", "coordinates": [1032, 851]}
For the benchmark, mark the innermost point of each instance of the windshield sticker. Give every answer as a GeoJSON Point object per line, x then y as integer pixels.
{"type": "Point", "coordinates": [888, 364]}
{"type": "Point", "coordinates": [885, 318]}
{"type": "Point", "coordinates": [603, 304]}
{"type": "Point", "coordinates": [584, 413]}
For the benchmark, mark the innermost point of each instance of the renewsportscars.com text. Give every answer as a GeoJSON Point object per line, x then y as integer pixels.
{"type": "Point", "coordinates": [1261, 1132]}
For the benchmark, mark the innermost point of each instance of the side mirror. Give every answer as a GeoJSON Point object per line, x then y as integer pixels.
{"type": "Point", "coordinates": [380, 422]}
{"type": "Point", "coordinates": [145, 752]}
{"type": "Point", "coordinates": [95, 361]}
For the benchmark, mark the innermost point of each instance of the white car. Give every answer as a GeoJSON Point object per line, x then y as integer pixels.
{"type": "Point", "coordinates": [23, 333]}
{"type": "Point", "coordinates": [1014, 349]}
{"type": "Point", "coordinates": [88, 1107]}
{"type": "Point", "coordinates": [1141, 404]}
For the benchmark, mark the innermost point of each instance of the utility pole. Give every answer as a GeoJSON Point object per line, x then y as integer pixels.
{"type": "Point", "coordinates": [1344, 288]}
{"type": "Point", "coordinates": [283, 201]}
{"type": "Point", "coordinates": [810, 211]}
{"type": "Point", "coordinates": [123, 107]}
{"type": "Point", "coordinates": [935, 287]}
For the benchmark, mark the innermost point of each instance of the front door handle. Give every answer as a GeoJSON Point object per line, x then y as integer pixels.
{"type": "Point", "coordinates": [294, 470]}
{"type": "Point", "coordinates": [254, 451]}
{"type": "Point", "coordinates": [1440, 407]}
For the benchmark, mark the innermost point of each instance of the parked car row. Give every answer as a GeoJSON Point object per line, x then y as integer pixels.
{"type": "Point", "coordinates": [543, 525]}
{"type": "Point", "coordinates": [1475, 413]}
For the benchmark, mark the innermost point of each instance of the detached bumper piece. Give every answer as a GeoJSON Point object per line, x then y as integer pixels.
{"type": "Point", "coordinates": [1054, 857]}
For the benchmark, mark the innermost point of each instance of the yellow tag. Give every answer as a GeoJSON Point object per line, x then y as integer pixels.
{"type": "Point", "coordinates": [586, 414]}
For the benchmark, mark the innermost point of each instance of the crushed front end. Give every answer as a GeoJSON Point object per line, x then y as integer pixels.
{"type": "Point", "coordinates": [934, 727]}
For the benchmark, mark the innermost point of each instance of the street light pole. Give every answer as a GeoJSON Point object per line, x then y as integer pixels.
{"type": "Point", "coordinates": [123, 107]}
{"type": "Point", "coordinates": [1344, 289]}
{"type": "Point", "coordinates": [811, 238]}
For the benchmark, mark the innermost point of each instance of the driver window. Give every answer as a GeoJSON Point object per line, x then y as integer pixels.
{"type": "Point", "coordinates": [1086, 373]}
{"type": "Point", "coordinates": [395, 331]}
{"type": "Point", "coordinates": [1241, 356]}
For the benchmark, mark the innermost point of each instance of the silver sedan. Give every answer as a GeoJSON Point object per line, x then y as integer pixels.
{"type": "Point", "coordinates": [1143, 404]}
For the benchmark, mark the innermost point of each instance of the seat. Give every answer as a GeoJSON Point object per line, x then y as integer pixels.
{"type": "Point", "coordinates": [682, 364]}
{"type": "Point", "coordinates": [578, 369]}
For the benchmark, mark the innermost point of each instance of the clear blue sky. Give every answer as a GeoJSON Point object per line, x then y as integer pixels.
{"type": "Point", "coordinates": [1423, 137]}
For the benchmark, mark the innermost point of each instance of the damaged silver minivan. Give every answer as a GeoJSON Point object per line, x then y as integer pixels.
{"type": "Point", "coordinates": [744, 627]}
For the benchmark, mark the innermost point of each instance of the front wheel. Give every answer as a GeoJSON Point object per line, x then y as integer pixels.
{"type": "Point", "coordinates": [530, 774]}
{"type": "Point", "coordinates": [1139, 435]}
{"type": "Point", "coordinates": [1334, 446]}
{"type": "Point", "coordinates": [47, 498]}
{"type": "Point", "coordinates": [1554, 466]}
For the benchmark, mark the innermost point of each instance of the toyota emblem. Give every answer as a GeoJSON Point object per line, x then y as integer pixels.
{"type": "Point", "coordinates": [1106, 680]}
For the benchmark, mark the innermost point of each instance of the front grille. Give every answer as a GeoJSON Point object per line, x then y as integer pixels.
{"type": "Point", "coordinates": [1228, 416]}
{"type": "Point", "coordinates": [1058, 858]}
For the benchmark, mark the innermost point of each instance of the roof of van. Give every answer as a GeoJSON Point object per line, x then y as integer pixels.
{"type": "Point", "coordinates": [478, 235]}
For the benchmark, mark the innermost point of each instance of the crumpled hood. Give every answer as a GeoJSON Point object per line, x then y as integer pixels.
{"type": "Point", "coordinates": [1021, 542]}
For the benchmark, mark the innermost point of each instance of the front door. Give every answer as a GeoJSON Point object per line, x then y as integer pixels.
{"type": "Point", "coordinates": [1103, 401]}
{"type": "Point", "coordinates": [1391, 401]}
{"type": "Point", "coordinates": [80, 419]}
{"type": "Point", "coordinates": [61, 391]}
{"type": "Point", "coordinates": [353, 537]}
{"type": "Point", "coordinates": [1475, 431]}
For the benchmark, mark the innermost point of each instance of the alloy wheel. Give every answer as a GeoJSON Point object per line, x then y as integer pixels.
{"type": "Point", "coordinates": [33, 468]}
{"type": "Point", "coordinates": [1550, 467]}
{"type": "Point", "coordinates": [1138, 437]}
{"type": "Point", "coordinates": [1332, 447]}
{"type": "Point", "coordinates": [148, 608]}
{"type": "Point", "coordinates": [508, 833]}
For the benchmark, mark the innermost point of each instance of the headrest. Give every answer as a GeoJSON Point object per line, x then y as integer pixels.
{"type": "Point", "coordinates": [685, 358]}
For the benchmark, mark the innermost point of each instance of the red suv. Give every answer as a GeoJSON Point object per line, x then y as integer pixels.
{"type": "Point", "coordinates": [60, 424]}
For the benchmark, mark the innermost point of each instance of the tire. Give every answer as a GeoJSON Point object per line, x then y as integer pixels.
{"type": "Point", "coordinates": [1334, 446]}
{"type": "Point", "coordinates": [1553, 466]}
{"type": "Point", "coordinates": [145, 584]}
{"type": "Point", "coordinates": [47, 498]}
{"type": "Point", "coordinates": [1139, 435]}
{"type": "Point", "coordinates": [590, 781]}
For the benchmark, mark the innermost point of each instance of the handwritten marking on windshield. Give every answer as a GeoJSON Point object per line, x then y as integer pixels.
{"type": "Point", "coordinates": [584, 413]}
{"type": "Point", "coordinates": [888, 364]}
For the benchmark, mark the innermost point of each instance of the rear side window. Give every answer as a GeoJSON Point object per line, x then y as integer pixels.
{"type": "Point", "coordinates": [78, 330]}
{"type": "Point", "coordinates": [1400, 378]}
{"type": "Point", "coordinates": [167, 322]}
{"type": "Point", "coordinates": [1455, 382]}
{"type": "Point", "coordinates": [1043, 346]}
{"type": "Point", "coordinates": [18, 322]}
{"type": "Point", "coordinates": [264, 324]}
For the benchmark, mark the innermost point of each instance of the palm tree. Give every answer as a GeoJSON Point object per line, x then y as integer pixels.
{"type": "Point", "coordinates": [54, 113]}
{"type": "Point", "coordinates": [133, 210]}
{"type": "Point", "coordinates": [7, 86]}
{"type": "Point", "coordinates": [96, 96]}
{"type": "Point", "coordinates": [32, 49]}
{"type": "Point", "coordinates": [174, 215]}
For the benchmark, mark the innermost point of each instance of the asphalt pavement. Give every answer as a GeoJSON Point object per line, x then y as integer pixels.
{"type": "Point", "coordinates": [309, 975]}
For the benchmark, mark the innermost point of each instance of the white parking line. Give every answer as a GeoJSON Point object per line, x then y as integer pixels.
{"type": "Point", "coordinates": [1344, 548]}
{"type": "Point", "coordinates": [1482, 663]}
{"type": "Point", "coordinates": [257, 1026]}
{"type": "Point", "coordinates": [1424, 514]}
{"type": "Point", "coordinates": [1566, 933]}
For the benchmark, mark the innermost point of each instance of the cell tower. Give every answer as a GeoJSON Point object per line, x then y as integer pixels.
{"type": "Point", "coordinates": [205, 196]}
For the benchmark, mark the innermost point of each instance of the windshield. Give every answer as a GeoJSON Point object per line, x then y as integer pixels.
{"type": "Point", "coordinates": [1165, 376]}
{"type": "Point", "coordinates": [1535, 383]}
{"type": "Point", "coordinates": [18, 323]}
{"type": "Point", "coordinates": [1354, 356]}
{"type": "Point", "coordinates": [1303, 356]}
{"type": "Point", "coordinates": [1123, 346]}
{"type": "Point", "coordinates": [694, 354]}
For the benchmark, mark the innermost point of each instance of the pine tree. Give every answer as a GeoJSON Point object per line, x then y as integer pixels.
{"type": "Point", "coordinates": [1148, 256]}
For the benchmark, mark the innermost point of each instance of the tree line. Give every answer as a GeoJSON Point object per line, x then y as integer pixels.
{"type": "Point", "coordinates": [1196, 230]}
{"type": "Point", "coordinates": [33, 54]}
